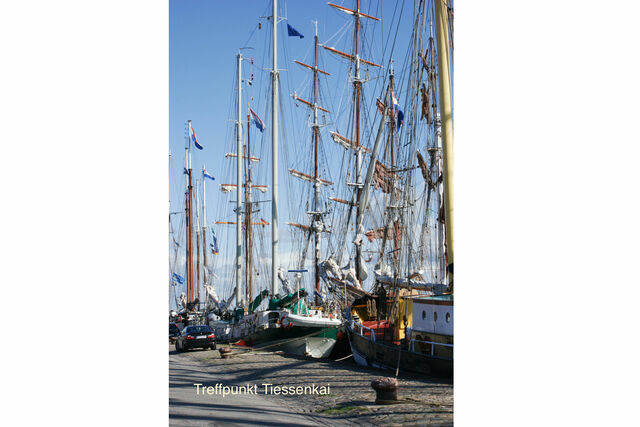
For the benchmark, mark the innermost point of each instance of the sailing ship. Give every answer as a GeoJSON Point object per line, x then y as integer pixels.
{"type": "Point", "coordinates": [288, 322]}
{"type": "Point", "coordinates": [404, 319]}
{"type": "Point", "coordinates": [401, 316]}
{"type": "Point", "coordinates": [407, 323]}
{"type": "Point", "coordinates": [197, 273]}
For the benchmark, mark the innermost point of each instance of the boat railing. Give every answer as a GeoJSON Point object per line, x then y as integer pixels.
{"type": "Point", "coordinates": [359, 327]}
{"type": "Point", "coordinates": [433, 344]}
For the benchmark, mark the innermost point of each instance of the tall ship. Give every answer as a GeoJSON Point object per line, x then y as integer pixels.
{"type": "Point", "coordinates": [367, 163]}
{"type": "Point", "coordinates": [278, 316]}
{"type": "Point", "coordinates": [391, 263]}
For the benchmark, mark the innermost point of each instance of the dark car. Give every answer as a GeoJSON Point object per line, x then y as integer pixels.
{"type": "Point", "coordinates": [174, 332]}
{"type": "Point", "coordinates": [200, 336]}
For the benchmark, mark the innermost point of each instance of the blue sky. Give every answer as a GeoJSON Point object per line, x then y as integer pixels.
{"type": "Point", "coordinates": [204, 38]}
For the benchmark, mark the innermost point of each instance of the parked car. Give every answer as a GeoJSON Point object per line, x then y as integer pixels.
{"type": "Point", "coordinates": [174, 332]}
{"type": "Point", "coordinates": [200, 336]}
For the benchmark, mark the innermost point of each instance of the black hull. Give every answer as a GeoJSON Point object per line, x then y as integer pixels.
{"type": "Point", "coordinates": [385, 356]}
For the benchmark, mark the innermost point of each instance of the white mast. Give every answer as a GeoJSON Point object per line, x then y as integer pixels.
{"type": "Point", "coordinates": [363, 201]}
{"type": "Point", "coordinates": [198, 280]}
{"type": "Point", "coordinates": [204, 229]}
{"type": "Point", "coordinates": [239, 190]}
{"type": "Point", "coordinates": [274, 160]}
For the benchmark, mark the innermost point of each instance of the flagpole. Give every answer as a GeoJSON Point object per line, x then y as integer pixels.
{"type": "Point", "coordinates": [274, 150]}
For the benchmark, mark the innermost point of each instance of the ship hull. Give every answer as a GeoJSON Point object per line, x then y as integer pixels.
{"type": "Point", "coordinates": [382, 355]}
{"type": "Point", "coordinates": [315, 342]}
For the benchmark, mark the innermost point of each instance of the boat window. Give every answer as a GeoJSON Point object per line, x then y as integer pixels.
{"type": "Point", "coordinates": [435, 316]}
{"type": "Point", "coordinates": [448, 317]}
{"type": "Point", "coordinates": [424, 314]}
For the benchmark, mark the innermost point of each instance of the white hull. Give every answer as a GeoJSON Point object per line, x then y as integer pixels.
{"type": "Point", "coordinates": [309, 321]}
{"type": "Point", "coordinates": [315, 347]}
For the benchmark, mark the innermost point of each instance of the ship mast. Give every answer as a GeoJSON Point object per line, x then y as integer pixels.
{"type": "Point", "coordinates": [357, 89]}
{"type": "Point", "coordinates": [198, 281]}
{"type": "Point", "coordinates": [317, 218]}
{"type": "Point", "coordinates": [392, 129]}
{"type": "Point", "coordinates": [274, 159]}
{"type": "Point", "coordinates": [239, 189]}
{"type": "Point", "coordinates": [442, 36]}
{"type": "Point", "coordinates": [204, 231]}
{"type": "Point", "coordinates": [357, 86]}
{"type": "Point", "coordinates": [189, 231]}
{"type": "Point", "coordinates": [247, 216]}
{"type": "Point", "coordinates": [316, 213]}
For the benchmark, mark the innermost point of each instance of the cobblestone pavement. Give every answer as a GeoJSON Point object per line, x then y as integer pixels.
{"type": "Point", "coordinates": [427, 401]}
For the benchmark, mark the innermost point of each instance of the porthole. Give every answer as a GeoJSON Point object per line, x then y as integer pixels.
{"type": "Point", "coordinates": [435, 316]}
{"type": "Point", "coordinates": [424, 314]}
{"type": "Point", "coordinates": [448, 317]}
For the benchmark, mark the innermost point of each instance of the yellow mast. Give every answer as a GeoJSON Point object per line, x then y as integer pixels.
{"type": "Point", "coordinates": [442, 36]}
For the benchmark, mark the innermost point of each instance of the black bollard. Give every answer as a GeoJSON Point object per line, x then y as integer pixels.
{"type": "Point", "coordinates": [386, 390]}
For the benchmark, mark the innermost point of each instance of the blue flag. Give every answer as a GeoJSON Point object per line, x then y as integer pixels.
{"type": "Point", "coordinates": [206, 175]}
{"type": "Point", "coordinates": [293, 32]}
{"type": "Point", "coordinates": [214, 245]}
{"type": "Point", "coordinates": [398, 110]}
{"type": "Point", "coordinates": [178, 278]}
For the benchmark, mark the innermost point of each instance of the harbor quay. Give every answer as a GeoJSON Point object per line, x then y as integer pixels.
{"type": "Point", "coordinates": [253, 387]}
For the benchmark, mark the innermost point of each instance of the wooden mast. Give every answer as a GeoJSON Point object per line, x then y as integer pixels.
{"type": "Point", "coordinates": [198, 282]}
{"type": "Point", "coordinates": [204, 231]}
{"type": "Point", "coordinates": [189, 230]}
{"type": "Point", "coordinates": [392, 127]}
{"type": "Point", "coordinates": [357, 86]}
{"type": "Point", "coordinates": [442, 36]}
{"type": "Point", "coordinates": [248, 212]}
{"type": "Point", "coordinates": [316, 184]}
{"type": "Point", "coordinates": [317, 225]}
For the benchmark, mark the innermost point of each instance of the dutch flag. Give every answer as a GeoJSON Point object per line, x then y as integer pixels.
{"type": "Point", "coordinates": [206, 175]}
{"type": "Point", "coordinates": [192, 135]}
{"type": "Point", "coordinates": [258, 122]}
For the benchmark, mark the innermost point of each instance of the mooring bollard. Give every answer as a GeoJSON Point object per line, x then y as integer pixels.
{"type": "Point", "coordinates": [386, 390]}
{"type": "Point", "coordinates": [225, 352]}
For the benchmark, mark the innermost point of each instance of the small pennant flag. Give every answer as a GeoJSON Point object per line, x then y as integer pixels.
{"type": "Point", "coordinates": [192, 135]}
{"type": "Point", "coordinates": [257, 121]}
{"type": "Point", "coordinates": [293, 32]}
{"type": "Point", "coordinates": [206, 175]}
{"type": "Point", "coordinates": [178, 278]}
